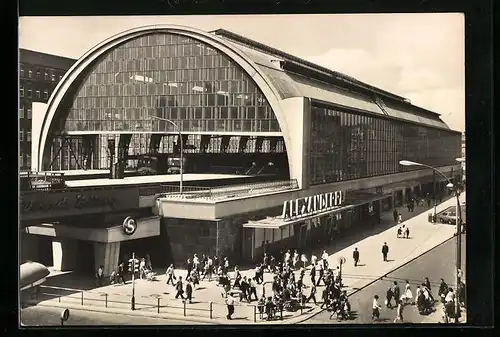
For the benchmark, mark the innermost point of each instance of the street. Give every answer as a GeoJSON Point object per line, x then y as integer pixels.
{"type": "Point", "coordinates": [47, 316]}
{"type": "Point", "coordinates": [431, 265]}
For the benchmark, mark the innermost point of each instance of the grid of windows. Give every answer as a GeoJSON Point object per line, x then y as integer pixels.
{"type": "Point", "coordinates": [174, 77]}
{"type": "Point", "coordinates": [348, 146]}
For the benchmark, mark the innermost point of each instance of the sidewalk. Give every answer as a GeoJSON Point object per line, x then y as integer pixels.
{"type": "Point", "coordinates": [423, 237]}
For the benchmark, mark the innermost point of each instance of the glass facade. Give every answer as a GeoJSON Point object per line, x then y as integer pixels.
{"type": "Point", "coordinates": [168, 76]}
{"type": "Point", "coordinates": [346, 145]}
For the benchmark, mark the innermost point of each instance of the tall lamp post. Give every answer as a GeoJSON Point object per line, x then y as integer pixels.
{"type": "Point", "coordinates": [181, 148]}
{"type": "Point", "coordinates": [458, 258]}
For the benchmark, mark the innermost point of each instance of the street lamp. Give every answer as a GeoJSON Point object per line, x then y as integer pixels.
{"type": "Point", "coordinates": [180, 139]}
{"type": "Point", "coordinates": [458, 226]}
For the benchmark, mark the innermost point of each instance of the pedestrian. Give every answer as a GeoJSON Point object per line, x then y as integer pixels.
{"type": "Point", "coordinates": [324, 257]}
{"type": "Point", "coordinates": [265, 262]}
{"type": "Point", "coordinates": [226, 265]}
{"type": "Point", "coordinates": [399, 313]}
{"type": "Point", "coordinates": [303, 259]}
{"type": "Point", "coordinates": [395, 215]}
{"type": "Point", "coordinates": [399, 232]}
{"type": "Point", "coordinates": [142, 268]}
{"type": "Point", "coordinates": [314, 259]}
{"type": "Point", "coordinates": [396, 292]}
{"type": "Point", "coordinates": [272, 264]}
{"type": "Point", "coordinates": [179, 289]}
{"type": "Point", "coordinates": [189, 291]}
{"type": "Point", "coordinates": [408, 295]}
{"type": "Point", "coordinates": [295, 259]}
{"type": "Point", "coordinates": [253, 289]}
{"type": "Point", "coordinates": [385, 251]}
{"type": "Point", "coordinates": [407, 233]}
{"type": "Point", "coordinates": [443, 290]}
{"type": "Point", "coordinates": [427, 288]}
{"type": "Point", "coordinates": [400, 218]}
{"type": "Point", "coordinates": [320, 272]}
{"type": "Point", "coordinates": [312, 295]}
{"type": "Point", "coordinates": [313, 274]}
{"type": "Point", "coordinates": [245, 289]}
{"type": "Point", "coordinates": [209, 268]}
{"type": "Point", "coordinates": [170, 274]}
{"type": "Point", "coordinates": [189, 267]}
{"type": "Point", "coordinates": [230, 305]}
{"type": "Point", "coordinates": [100, 276]}
{"type": "Point", "coordinates": [121, 272]}
{"type": "Point", "coordinates": [355, 256]}
{"type": "Point", "coordinates": [388, 298]}
{"type": "Point", "coordinates": [376, 308]}
{"type": "Point", "coordinates": [237, 277]}
{"type": "Point", "coordinates": [196, 262]}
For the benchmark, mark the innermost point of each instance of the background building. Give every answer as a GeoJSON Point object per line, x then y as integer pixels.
{"type": "Point", "coordinates": [39, 74]}
{"type": "Point", "coordinates": [331, 143]}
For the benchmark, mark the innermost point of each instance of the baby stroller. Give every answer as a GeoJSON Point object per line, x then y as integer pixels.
{"type": "Point", "coordinates": [150, 275]}
{"type": "Point", "coordinates": [292, 305]}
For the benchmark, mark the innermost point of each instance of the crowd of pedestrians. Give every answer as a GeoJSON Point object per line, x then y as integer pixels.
{"type": "Point", "coordinates": [423, 299]}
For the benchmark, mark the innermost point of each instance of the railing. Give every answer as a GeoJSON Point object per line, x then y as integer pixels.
{"type": "Point", "coordinates": [153, 303]}
{"type": "Point", "coordinates": [226, 192]}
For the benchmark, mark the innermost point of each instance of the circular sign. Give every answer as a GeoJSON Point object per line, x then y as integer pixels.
{"type": "Point", "coordinates": [129, 225]}
{"type": "Point", "coordinates": [341, 260]}
{"type": "Point", "coordinates": [65, 314]}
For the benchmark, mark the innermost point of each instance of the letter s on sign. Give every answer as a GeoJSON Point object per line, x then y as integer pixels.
{"type": "Point", "coordinates": [129, 225]}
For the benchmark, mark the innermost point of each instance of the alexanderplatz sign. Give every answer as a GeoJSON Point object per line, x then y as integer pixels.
{"type": "Point", "coordinates": [303, 207]}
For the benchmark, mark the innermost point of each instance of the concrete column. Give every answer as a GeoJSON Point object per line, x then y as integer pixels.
{"type": "Point", "coordinates": [64, 254]}
{"type": "Point", "coordinates": [106, 254]}
{"type": "Point", "coordinates": [298, 149]}
{"type": "Point", "coordinates": [29, 247]}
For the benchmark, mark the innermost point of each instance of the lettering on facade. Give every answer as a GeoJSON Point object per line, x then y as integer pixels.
{"type": "Point", "coordinates": [129, 225]}
{"type": "Point", "coordinates": [302, 207]}
{"type": "Point", "coordinates": [78, 202]}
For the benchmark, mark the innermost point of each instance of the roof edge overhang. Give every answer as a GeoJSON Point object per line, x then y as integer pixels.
{"type": "Point", "coordinates": [79, 67]}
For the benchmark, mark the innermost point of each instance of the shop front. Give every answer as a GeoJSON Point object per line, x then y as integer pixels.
{"type": "Point", "coordinates": [296, 228]}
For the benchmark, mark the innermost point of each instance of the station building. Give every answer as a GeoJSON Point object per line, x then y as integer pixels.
{"type": "Point", "coordinates": [159, 89]}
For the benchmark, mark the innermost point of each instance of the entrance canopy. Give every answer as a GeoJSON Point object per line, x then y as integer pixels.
{"type": "Point", "coordinates": [356, 199]}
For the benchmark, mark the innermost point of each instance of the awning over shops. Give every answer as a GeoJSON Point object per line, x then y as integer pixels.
{"type": "Point", "coordinates": [354, 200]}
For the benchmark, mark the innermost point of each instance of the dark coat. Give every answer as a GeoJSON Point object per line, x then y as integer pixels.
{"type": "Point", "coordinates": [189, 289]}
{"type": "Point", "coordinates": [355, 255]}
{"type": "Point", "coordinates": [385, 249]}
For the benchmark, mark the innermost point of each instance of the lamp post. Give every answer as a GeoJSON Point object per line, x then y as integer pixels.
{"type": "Point", "coordinates": [458, 258]}
{"type": "Point", "coordinates": [181, 148]}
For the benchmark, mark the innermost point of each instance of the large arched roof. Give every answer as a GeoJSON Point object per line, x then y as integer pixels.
{"type": "Point", "coordinates": [82, 64]}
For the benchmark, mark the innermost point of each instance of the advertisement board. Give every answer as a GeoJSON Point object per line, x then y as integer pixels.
{"type": "Point", "coordinates": [49, 205]}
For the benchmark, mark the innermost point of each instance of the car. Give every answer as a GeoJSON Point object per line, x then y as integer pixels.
{"type": "Point", "coordinates": [448, 217]}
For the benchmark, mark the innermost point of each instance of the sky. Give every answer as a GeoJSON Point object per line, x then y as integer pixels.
{"type": "Point", "coordinates": [418, 56]}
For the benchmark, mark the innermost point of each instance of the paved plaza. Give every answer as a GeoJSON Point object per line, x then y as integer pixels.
{"type": "Point", "coordinates": [156, 299]}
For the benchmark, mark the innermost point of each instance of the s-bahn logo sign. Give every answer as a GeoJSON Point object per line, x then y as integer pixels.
{"type": "Point", "coordinates": [298, 208]}
{"type": "Point", "coordinates": [129, 225]}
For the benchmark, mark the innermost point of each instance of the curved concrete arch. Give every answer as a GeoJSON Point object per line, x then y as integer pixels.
{"type": "Point", "coordinates": [231, 51]}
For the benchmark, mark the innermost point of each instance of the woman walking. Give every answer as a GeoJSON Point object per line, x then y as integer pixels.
{"type": "Point", "coordinates": [375, 309]}
{"type": "Point", "coordinates": [399, 313]}
{"type": "Point", "coordinates": [408, 295]}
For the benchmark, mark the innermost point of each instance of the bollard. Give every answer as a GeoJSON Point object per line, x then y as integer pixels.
{"type": "Point", "coordinates": [62, 322]}
{"type": "Point", "coordinates": [106, 299]}
{"type": "Point", "coordinates": [281, 313]}
{"type": "Point", "coordinates": [301, 309]}
{"type": "Point", "coordinates": [82, 297]}
{"type": "Point", "coordinates": [211, 309]}
{"type": "Point", "coordinates": [254, 314]}
{"type": "Point", "coordinates": [60, 294]}
{"type": "Point", "coordinates": [158, 305]}
{"type": "Point", "coordinates": [184, 302]}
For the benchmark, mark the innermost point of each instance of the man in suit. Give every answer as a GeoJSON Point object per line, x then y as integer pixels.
{"type": "Point", "coordinates": [396, 292]}
{"type": "Point", "coordinates": [178, 288]}
{"type": "Point", "coordinates": [355, 256]}
{"type": "Point", "coordinates": [385, 251]}
{"type": "Point", "coordinates": [189, 291]}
